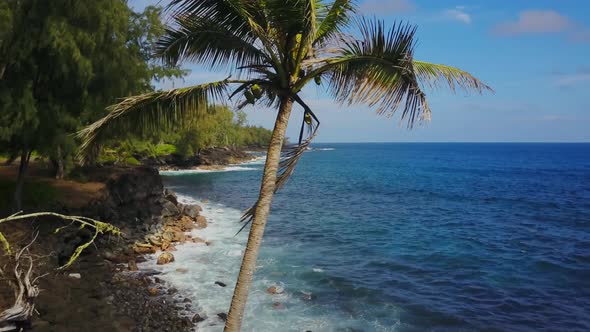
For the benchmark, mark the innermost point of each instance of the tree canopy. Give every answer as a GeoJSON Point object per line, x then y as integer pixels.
{"type": "Point", "coordinates": [62, 62]}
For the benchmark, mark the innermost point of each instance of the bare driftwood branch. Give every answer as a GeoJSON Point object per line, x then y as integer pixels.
{"type": "Point", "coordinates": [21, 277]}
{"type": "Point", "coordinates": [25, 291]}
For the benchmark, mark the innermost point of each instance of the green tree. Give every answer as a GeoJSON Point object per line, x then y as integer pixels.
{"type": "Point", "coordinates": [61, 63]}
{"type": "Point", "coordinates": [279, 47]}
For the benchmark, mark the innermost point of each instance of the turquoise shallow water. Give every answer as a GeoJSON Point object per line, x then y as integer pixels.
{"type": "Point", "coordinates": [416, 237]}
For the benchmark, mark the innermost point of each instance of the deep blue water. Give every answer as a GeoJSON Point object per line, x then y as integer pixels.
{"type": "Point", "coordinates": [431, 237]}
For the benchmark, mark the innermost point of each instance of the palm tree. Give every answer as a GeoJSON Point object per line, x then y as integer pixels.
{"type": "Point", "coordinates": [277, 47]}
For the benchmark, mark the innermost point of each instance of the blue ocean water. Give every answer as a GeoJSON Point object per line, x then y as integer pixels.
{"type": "Point", "coordinates": [421, 237]}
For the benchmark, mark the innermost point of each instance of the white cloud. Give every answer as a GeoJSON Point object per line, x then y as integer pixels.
{"type": "Point", "coordinates": [459, 14]}
{"type": "Point", "coordinates": [535, 21]}
{"type": "Point", "coordinates": [576, 78]}
{"type": "Point", "coordinates": [531, 22]}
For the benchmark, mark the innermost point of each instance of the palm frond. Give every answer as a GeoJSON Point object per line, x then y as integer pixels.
{"type": "Point", "coordinates": [246, 20]}
{"type": "Point", "coordinates": [147, 113]}
{"type": "Point", "coordinates": [309, 28]}
{"type": "Point", "coordinates": [377, 70]}
{"type": "Point", "coordinates": [205, 41]}
{"type": "Point", "coordinates": [232, 14]}
{"type": "Point", "coordinates": [337, 18]}
{"type": "Point", "coordinates": [434, 75]}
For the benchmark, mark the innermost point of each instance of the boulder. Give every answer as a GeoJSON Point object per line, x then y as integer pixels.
{"type": "Point", "coordinates": [171, 248]}
{"type": "Point", "coordinates": [222, 315]}
{"type": "Point", "coordinates": [186, 223]}
{"type": "Point", "coordinates": [143, 249]}
{"type": "Point", "coordinates": [155, 240]}
{"type": "Point", "coordinates": [169, 209]}
{"type": "Point", "coordinates": [170, 196]}
{"type": "Point", "coordinates": [201, 222]}
{"type": "Point", "coordinates": [165, 258]}
{"type": "Point", "coordinates": [197, 318]}
{"type": "Point", "coordinates": [278, 306]}
{"type": "Point", "coordinates": [191, 210]}
{"type": "Point", "coordinates": [153, 291]}
{"type": "Point", "coordinates": [274, 290]}
{"type": "Point", "coordinates": [132, 265]}
{"type": "Point", "coordinates": [198, 240]}
{"type": "Point", "coordinates": [172, 235]}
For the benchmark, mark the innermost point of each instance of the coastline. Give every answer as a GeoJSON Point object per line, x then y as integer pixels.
{"type": "Point", "coordinates": [103, 289]}
{"type": "Point", "coordinates": [106, 280]}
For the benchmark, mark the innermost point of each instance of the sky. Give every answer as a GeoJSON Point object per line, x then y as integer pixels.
{"type": "Point", "coordinates": [535, 54]}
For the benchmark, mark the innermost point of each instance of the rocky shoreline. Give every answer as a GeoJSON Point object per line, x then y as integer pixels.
{"type": "Point", "coordinates": [104, 290]}
{"type": "Point", "coordinates": [209, 159]}
{"type": "Point", "coordinates": [171, 223]}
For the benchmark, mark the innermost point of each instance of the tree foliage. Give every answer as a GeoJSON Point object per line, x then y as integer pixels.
{"type": "Point", "coordinates": [62, 62]}
{"type": "Point", "coordinates": [218, 127]}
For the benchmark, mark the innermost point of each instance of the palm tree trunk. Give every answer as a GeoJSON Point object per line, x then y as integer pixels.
{"type": "Point", "coordinates": [238, 303]}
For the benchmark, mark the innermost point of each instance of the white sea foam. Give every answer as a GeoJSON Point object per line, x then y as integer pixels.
{"type": "Point", "coordinates": [221, 261]}
{"type": "Point", "coordinates": [319, 149]}
{"type": "Point", "coordinates": [245, 166]}
{"type": "Point", "coordinates": [199, 170]}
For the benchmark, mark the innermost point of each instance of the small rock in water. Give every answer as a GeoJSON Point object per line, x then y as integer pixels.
{"type": "Point", "coordinates": [153, 291]}
{"type": "Point", "coordinates": [144, 249]}
{"type": "Point", "coordinates": [222, 315]}
{"type": "Point", "coordinates": [220, 283]}
{"type": "Point", "coordinates": [198, 240]}
{"type": "Point", "coordinates": [278, 306]}
{"type": "Point", "coordinates": [172, 291]}
{"type": "Point", "coordinates": [165, 258]}
{"type": "Point", "coordinates": [187, 300]}
{"type": "Point", "coordinates": [201, 222]}
{"type": "Point", "coordinates": [274, 290]}
{"type": "Point", "coordinates": [182, 270]}
{"type": "Point", "coordinates": [132, 265]}
{"type": "Point", "coordinates": [197, 318]}
{"type": "Point", "coordinates": [205, 201]}
{"type": "Point", "coordinates": [191, 210]}
{"type": "Point", "coordinates": [75, 275]}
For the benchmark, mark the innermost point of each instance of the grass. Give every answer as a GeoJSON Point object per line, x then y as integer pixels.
{"type": "Point", "coordinates": [164, 149]}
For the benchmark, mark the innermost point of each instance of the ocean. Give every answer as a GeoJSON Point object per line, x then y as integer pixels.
{"type": "Point", "coordinates": [400, 237]}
